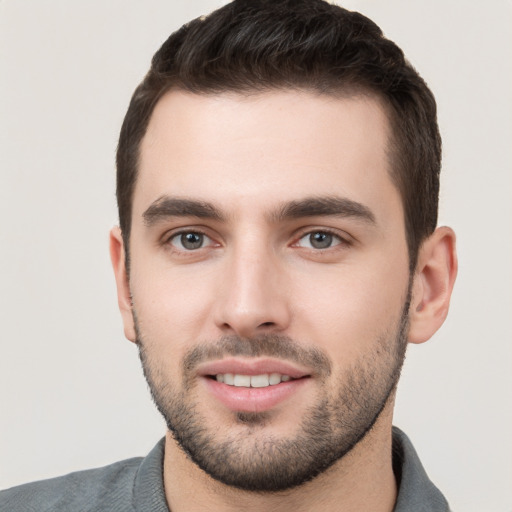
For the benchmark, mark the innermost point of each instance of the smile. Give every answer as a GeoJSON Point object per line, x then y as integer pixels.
{"type": "Point", "coordinates": [252, 381]}
{"type": "Point", "coordinates": [253, 384]}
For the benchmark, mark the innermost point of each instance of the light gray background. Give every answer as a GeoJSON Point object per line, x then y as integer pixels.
{"type": "Point", "coordinates": [71, 392]}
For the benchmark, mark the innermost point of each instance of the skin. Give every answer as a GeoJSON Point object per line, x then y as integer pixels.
{"type": "Point", "coordinates": [248, 157]}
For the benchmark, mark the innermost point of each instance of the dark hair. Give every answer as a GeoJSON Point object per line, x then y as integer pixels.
{"type": "Point", "coordinates": [258, 45]}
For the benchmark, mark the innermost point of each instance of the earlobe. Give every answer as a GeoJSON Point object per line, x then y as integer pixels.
{"type": "Point", "coordinates": [433, 284]}
{"type": "Point", "coordinates": [117, 256]}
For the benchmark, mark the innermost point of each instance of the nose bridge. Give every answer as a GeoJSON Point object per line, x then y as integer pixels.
{"type": "Point", "coordinates": [252, 298]}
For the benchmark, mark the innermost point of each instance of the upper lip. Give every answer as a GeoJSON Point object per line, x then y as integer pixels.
{"type": "Point", "coordinates": [252, 366]}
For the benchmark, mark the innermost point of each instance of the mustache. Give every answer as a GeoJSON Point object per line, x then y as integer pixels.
{"type": "Point", "coordinates": [266, 345]}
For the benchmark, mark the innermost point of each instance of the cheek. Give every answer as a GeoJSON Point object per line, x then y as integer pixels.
{"type": "Point", "coordinates": [348, 311]}
{"type": "Point", "coordinates": [172, 305]}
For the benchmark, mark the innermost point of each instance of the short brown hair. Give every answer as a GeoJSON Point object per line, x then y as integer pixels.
{"type": "Point", "coordinates": [259, 45]}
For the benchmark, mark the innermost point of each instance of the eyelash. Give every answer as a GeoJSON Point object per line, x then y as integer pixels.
{"type": "Point", "coordinates": [342, 241]}
{"type": "Point", "coordinates": [168, 240]}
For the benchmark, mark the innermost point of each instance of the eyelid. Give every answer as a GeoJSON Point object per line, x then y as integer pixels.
{"type": "Point", "coordinates": [168, 236]}
{"type": "Point", "coordinates": [342, 236]}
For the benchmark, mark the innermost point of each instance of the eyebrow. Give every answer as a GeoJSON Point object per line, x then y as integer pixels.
{"type": "Point", "coordinates": [166, 207]}
{"type": "Point", "coordinates": [332, 206]}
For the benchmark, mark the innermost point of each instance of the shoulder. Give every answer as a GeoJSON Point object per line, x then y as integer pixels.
{"type": "Point", "coordinates": [106, 488]}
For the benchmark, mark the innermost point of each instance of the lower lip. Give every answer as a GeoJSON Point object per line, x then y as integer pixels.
{"type": "Point", "coordinates": [241, 399]}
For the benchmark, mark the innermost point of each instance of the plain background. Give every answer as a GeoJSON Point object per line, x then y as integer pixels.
{"type": "Point", "coordinates": [72, 395]}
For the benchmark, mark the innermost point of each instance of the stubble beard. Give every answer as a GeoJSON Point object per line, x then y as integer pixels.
{"type": "Point", "coordinates": [255, 460]}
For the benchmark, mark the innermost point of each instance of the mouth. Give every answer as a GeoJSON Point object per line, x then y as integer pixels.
{"type": "Point", "coordinates": [251, 381]}
{"type": "Point", "coordinates": [253, 385]}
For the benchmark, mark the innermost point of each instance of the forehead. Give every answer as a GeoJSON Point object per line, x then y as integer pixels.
{"type": "Point", "coordinates": [260, 149]}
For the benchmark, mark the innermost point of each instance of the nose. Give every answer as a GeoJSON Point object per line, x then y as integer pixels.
{"type": "Point", "coordinates": [252, 297]}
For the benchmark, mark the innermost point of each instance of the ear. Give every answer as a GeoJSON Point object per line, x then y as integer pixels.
{"type": "Point", "coordinates": [433, 284]}
{"type": "Point", "coordinates": [118, 257]}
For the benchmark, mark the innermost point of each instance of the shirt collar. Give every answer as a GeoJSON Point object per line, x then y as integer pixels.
{"type": "Point", "coordinates": [415, 490]}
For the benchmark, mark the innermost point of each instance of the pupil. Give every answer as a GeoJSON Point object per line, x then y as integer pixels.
{"type": "Point", "coordinates": [321, 240]}
{"type": "Point", "coordinates": [192, 240]}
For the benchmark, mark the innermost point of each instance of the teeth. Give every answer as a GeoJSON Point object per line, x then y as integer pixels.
{"type": "Point", "coordinates": [242, 381]}
{"type": "Point", "coordinates": [252, 381]}
{"type": "Point", "coordinates": [259, 381]}
{"type": "Point", "coordinates": [275, 378]}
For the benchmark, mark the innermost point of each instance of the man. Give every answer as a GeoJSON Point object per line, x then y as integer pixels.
{"type": "Point", "coordinates": [278, 176]}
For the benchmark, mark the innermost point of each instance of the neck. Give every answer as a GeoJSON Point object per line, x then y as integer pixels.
{"type": "Point", "coordinates": [362, 481]}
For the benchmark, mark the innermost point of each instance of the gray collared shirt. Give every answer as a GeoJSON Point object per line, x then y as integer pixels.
{"type": "Point", "coordinates": [136, 485]}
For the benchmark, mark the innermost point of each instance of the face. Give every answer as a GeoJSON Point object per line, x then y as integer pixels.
{"type": "Point", "coordinates": [269, 279]}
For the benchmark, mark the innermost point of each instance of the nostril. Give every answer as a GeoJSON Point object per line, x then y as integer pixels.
{"type": "Point", "coordinates": [267, 324]}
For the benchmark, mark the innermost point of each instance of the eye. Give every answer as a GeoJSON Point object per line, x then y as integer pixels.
{"type": "Point", "coordinates": [319, 240]}
{"type": "Point", "coordinates": [190, 241]}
